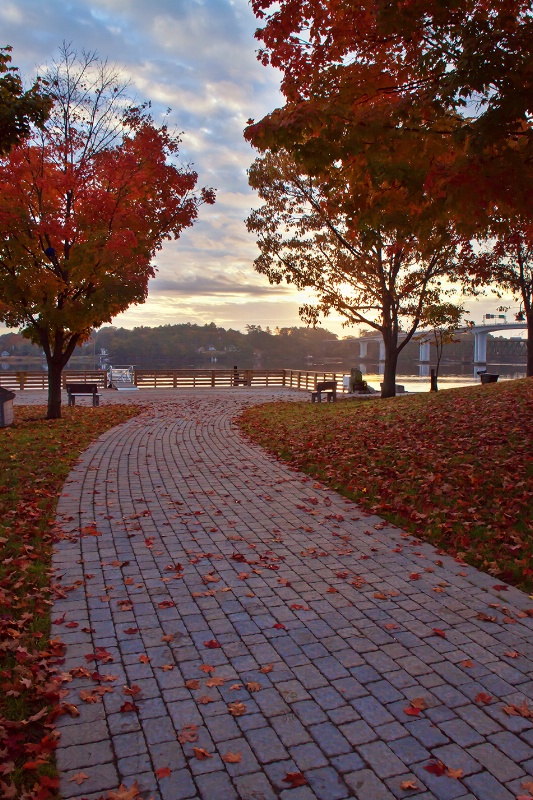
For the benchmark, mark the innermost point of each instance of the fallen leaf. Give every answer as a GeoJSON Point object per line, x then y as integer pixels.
{"type": "Point", "coordinates": [237, 709]}
{"type": "Point", "coordinates": [438, 632]}
{"type": "Point", "coordinates": [79, 778]}
{"type": "Point", "coordinates": [468, 664]}
{"type": "Point", "coordinates": [380, 596]}
{"type": "Point", "coordinates": [279, 626]}
{"type": "Point", "coordinates": [419, 702]}
{"type": "Point", "coordinates": [413, 712]}
{"type": "Point", "coordinates": [167, 667]}
{"type": "Point", "coordinates": [235, 687]}
{"type": "Point", "coordinates": [214, 681]}
{"type": "Point", "coordinates": [188, 734]}
{"type": "Point", "coordinates": [163, 772]}
{"type": "Point", "coordinates": [454, 773]}
{"type": "Point", "coordinates": [295, 779]}
{"type": "Point", "coordinates": [299, 607]}
{"type": "Point", "coordinates": [128, 706]}
{"type": "Point", "coordinates": [144, 659]}
{"type": "Point", "coordinates": [482, 697]}
{"type": "Point", "coordinates": [252, 686]}
{"type": "Point", "coordinates": [268, 668]}
{"type": "Point", "coordinates": [131, 690]}
{"type": "Point", "coordinates": [193, 684]}
{"type": "Point", "coordinates": [200, 753]}
{"type": "Point", "coordinates": [124, 794]}
{"type": "Point", "coordinates": [407, 785]}
{"type": "Point", "coordinates": [414, 576]}
{"type": "Point", "coordinates": [436, 768]}
{"type": "Point", "coordinates": [486, 617]}
{"type": "Point", "coordinates": [212, 644]}
{"type": "Point", "coordinates": [131, 631]}
{"type": "Point", "coordinates": [511, 654]}
{"type": "Point", "coordinates": [232, 758]}
{"type": "Point", "coordinates": [168, 637]}
{"type": "Point", "coordinates": [205, 699]}
{"type": "Point", "coordinates": [207, 668]}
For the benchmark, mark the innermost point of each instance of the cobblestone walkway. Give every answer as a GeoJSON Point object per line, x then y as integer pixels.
{"type": "Point", "coordinates": [236, 630]}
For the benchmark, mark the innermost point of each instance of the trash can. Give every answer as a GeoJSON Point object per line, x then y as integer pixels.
{"type": "Point", "coordinates": [6, 407]}
{"type": "Point", "coordinates": [487, 377]}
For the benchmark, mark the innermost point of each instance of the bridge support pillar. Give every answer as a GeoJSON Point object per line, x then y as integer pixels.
{"type": "Point", "coordinates": [480, 347]}
{"type": "Point", "coordinates": [425, 350]}
{"type": "Point", "coordinates": [363, 348]}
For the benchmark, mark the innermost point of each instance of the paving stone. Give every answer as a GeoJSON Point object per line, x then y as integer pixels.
{"type": "Point", "coordinates": [266, 745]}
{"type": "Point", "coordinates": [308, 756]}
{"type": "Point", "coordinates": [484, 785]}
{"type": "Point", "coordinates": [178, 786]}
{"type": "Point", "coordinates": [496, 762]}
{"type": "Point", "coordinates": [381, 759]}
{"type": "Point", "coordinates": [253, 787]}
{"type": "Point", "coordinates": [327, 784]}
{"type": "Point", "coordinates": [358, 732]}
{"type": "Point", "coordinates": [216, 784]}
{"type": "Point", "coordinates": [365, 785]}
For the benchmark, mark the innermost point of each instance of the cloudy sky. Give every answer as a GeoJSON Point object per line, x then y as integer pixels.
{"type": "Point", "coordinates": [198, 58]}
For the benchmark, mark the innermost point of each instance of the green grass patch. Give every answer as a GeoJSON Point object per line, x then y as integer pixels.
{"type": "Point", "coordinates": [36, 455]}
{"type": "Point", "coordinates": [453, 467]}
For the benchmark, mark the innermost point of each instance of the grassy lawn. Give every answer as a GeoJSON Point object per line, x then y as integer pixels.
{"type": "Point", "coordinates": [35, 457]}
{"type": "Point", "coordinates": [455, 468]}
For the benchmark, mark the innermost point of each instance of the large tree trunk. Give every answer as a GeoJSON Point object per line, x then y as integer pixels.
{"type": "Point", "coordinates": [388, 388]}
{"type": "Point", "coordinates": [55, 371]}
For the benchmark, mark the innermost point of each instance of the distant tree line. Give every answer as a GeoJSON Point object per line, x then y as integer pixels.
{"type": "Point", "coordinates": [188, 345]}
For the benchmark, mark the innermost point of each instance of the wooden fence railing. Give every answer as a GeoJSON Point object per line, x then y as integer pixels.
{"type": "Point", "coordinates": [305, 380]}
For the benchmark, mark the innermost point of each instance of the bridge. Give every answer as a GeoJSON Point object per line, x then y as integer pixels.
{"type": "Point", "coordinates": [425, 337]}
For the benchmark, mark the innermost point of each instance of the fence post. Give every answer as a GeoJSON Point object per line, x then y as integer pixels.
{"type": "Point", "coordinates": [212, 377]}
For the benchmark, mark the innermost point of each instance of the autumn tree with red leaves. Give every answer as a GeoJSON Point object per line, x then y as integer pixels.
{"type": "Point", "coordinates": [382, 266]}
{"type": "Point", "coordinates": [85, 204]}
{"type": "Point", "coordinates": [367, 82]}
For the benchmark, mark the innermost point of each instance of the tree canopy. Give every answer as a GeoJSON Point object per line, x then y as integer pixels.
{"type": "Point", "coordinates": [85, 204]}
{"type": "Point", "coordinates": [379, 263]}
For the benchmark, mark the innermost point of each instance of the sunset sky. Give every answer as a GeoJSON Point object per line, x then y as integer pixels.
{"type": "Point", "coordinates": [198, 58]}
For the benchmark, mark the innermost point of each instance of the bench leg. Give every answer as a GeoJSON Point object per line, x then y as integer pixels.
{"type": "Point", "coordinates": [96, 400]}
{"type": "Point", "coordinates": [71, 400]}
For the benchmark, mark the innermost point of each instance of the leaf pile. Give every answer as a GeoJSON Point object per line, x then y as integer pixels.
{"type": "Point", "coordinates": [36, 455]}
{"type": "Point", "coordinates": [455, 468]}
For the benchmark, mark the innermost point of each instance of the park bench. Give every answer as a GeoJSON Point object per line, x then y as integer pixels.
{"type": "Point", "coordinates": [329, 388]}
{"type": "Point", "coordinates": [83, 390]}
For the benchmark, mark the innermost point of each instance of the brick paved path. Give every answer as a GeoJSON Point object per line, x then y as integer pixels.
{"type": "Point", "coordinates": [329, 623]}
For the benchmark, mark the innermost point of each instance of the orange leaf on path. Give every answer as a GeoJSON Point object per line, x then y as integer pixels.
{"type": "Point", "coordinates": [163, 772]}
{"type": "Point", "coordinates": [406, 785]}
{"type": "Point", "coordinates": [144, 659]}
{"type": "Point", "coordinates": [482, 697]}
{"type": "Point", "coordinates": [188, 734]}
{"type": "Point", "coordinates": [295, 779]}
{"type": "Point", "coordinates": [212, 644]}
{"type": "Point", "coordinates": [200, 753]}
{"type": "Point", "coordinates": [237, 709]}
{"type": "Point", "coordinates": [438, 632]}
{"type": "Point", "coordinates": [232, 758]}
{"type": "Point", "coordinates": [207, 668]}
{"type": "Point", "coordinates": [268, 668]}
{"type": "Point", "coordinates": [124, 794]}
{"type": "Point", "coordinates": [205, 699]}
{"type": "Point", "coordinates": [215, 681]}
{"type": "Point", "coordinates": [79, 778]}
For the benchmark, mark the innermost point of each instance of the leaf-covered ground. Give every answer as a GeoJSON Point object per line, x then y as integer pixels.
{"type": "Point", "coordinates": [35, 457]}
{"type": "Point", "coordinates": [455, 467]}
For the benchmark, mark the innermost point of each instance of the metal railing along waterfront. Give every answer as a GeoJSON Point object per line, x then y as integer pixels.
{"type": "Point", "coordinates": [305, 380]}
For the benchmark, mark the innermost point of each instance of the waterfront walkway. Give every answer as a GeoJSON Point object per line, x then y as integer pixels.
{"type": "Point", "coordinates": [237, 630]}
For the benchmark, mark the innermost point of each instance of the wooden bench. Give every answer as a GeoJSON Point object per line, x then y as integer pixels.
{"type": "Point", "coordinates": [82, 390]}
{"type": "Point", "coordinates": [329, 388]}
